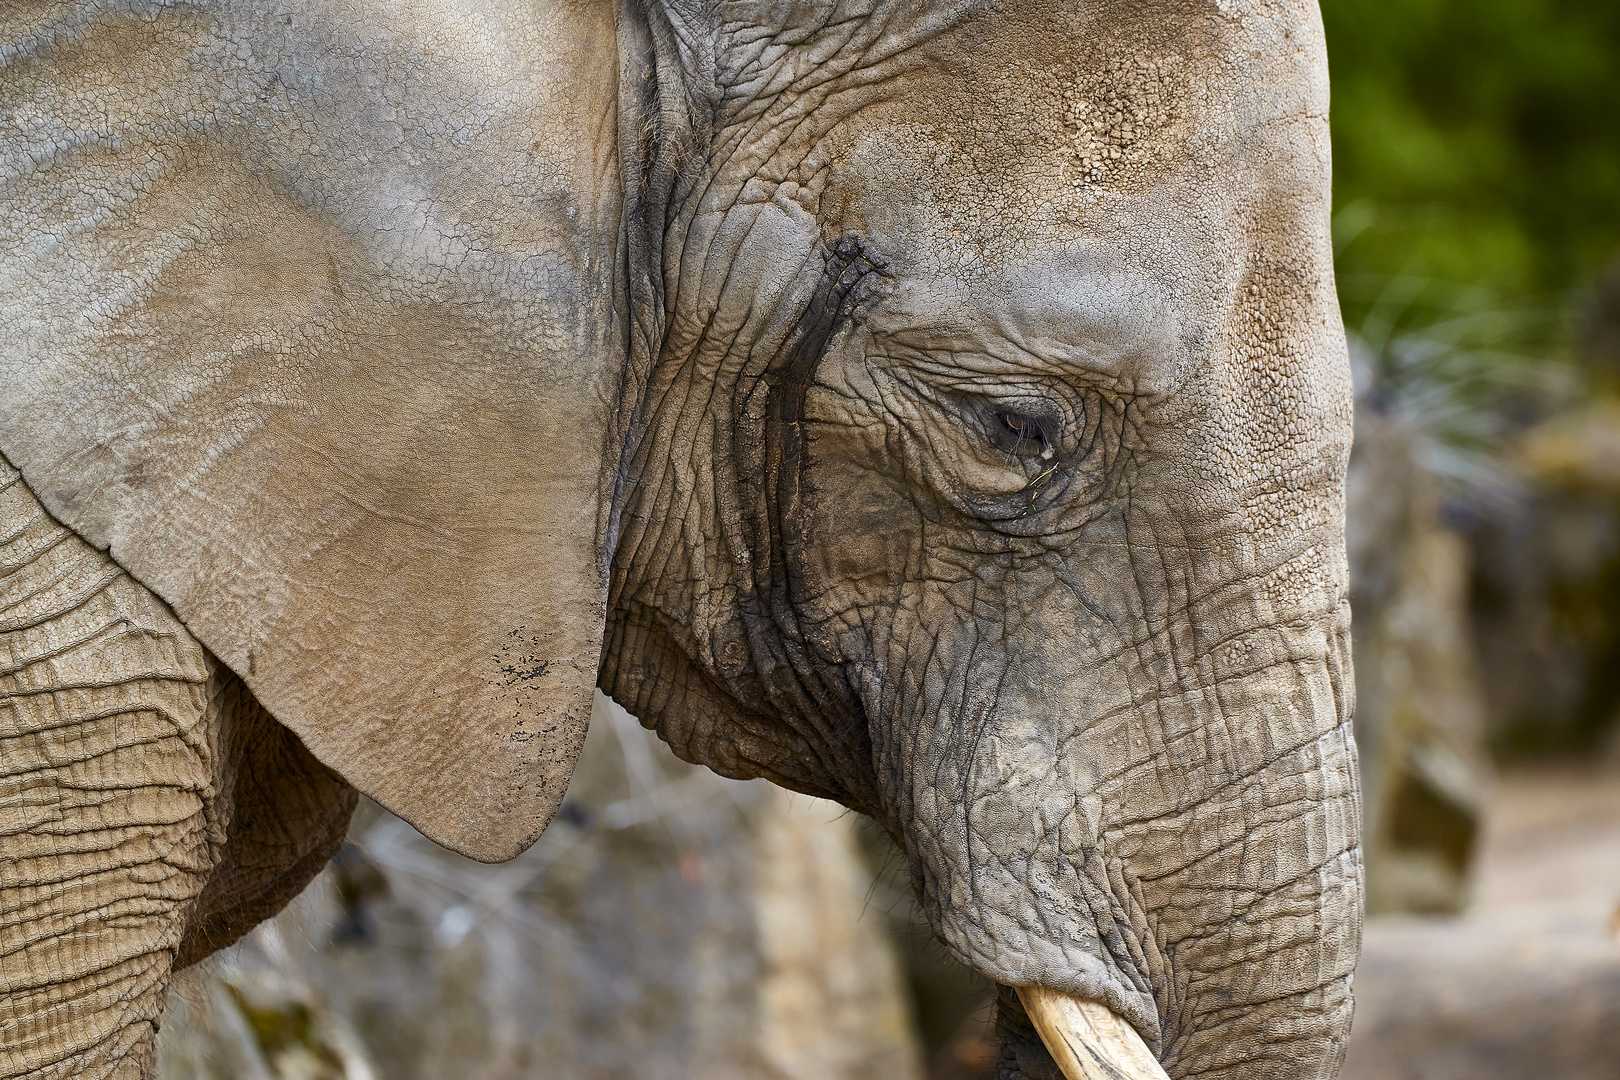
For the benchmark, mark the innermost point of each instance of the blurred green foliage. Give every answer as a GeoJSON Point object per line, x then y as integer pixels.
{"type": "Point", "coordinates": [1476, 149]}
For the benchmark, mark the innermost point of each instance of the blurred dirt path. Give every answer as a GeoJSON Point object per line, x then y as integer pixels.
{"type": "Point", "coordinates": [1526, 986]}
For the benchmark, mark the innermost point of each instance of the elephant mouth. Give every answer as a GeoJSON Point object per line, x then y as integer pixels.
{"type": "Point", "coordinates": [1088, 1041]}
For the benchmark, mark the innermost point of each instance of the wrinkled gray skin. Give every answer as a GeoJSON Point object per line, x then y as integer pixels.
{"type": "Point", "coordinates": [973, 455]}
{"type": "Point", "coordinates": [1094, 677]}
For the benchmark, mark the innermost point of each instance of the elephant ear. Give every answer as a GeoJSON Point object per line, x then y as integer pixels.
{"type": "Point", "coordinates": [311, 325]}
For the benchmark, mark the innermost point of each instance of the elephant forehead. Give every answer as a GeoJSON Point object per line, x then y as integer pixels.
{"type": "Point", "coordinates": [1021, 123]}
{"type": "Point", "coordinates": [1096, 167]}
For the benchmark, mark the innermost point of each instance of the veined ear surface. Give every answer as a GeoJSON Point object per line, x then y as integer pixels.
{"type": "Point", "coordinates": [319, 341]}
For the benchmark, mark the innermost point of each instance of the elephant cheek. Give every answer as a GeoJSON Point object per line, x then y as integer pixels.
{"type": "Point", "coordinates": [869, 537]}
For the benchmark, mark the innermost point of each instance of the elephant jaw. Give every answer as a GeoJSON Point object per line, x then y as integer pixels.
{"type": "Point", "coordinates": [1087, 1040]}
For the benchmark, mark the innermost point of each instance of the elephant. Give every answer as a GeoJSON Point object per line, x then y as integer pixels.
{"type": "Point", "coordinates": [938, 406]}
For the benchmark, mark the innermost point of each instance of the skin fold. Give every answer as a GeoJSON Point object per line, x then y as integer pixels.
{"type": "Point", "coordinates": [940, 408]}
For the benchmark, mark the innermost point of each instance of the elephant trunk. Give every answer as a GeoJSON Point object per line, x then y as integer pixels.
{"type": "Point", "coordinates": [1243, 955]}
{"type": "Point", "coordinates": [1175, 852]}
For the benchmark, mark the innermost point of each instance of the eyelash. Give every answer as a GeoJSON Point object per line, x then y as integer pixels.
{"type": "Point", "coordinates": [1032, 438]}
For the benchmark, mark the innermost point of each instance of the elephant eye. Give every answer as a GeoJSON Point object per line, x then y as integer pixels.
{"type": "Point", "coordinates": [1023, 436]}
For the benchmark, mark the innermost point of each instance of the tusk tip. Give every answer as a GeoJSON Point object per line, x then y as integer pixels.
{"type": "Point", "coordinates": [1087, 1040]}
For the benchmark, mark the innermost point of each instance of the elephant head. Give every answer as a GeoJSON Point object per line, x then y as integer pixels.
{"type": "Point", "coordinates": [940, 408]}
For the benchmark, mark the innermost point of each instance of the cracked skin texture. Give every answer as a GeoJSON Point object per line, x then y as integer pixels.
{"type": "Point", "coordinates": [939, 407]}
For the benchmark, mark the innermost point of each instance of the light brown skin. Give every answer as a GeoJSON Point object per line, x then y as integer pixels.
{"type": "Point", "coordinates": [944, 411]}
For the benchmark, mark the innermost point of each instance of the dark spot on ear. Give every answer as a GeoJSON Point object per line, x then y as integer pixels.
{"type": "Point", "coordinates": [359, 882]}
{"type": "Point", "coordinates": [575, 815]}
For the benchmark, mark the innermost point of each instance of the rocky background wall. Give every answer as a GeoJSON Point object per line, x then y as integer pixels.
{"type": "Point", "coordinates": [1485, 548]}
{"type": "Point", "coordinates": [1484, 540]}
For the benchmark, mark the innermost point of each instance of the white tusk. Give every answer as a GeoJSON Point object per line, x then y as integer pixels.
{"type": "Point", "coordinates": [1086, 1039]}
